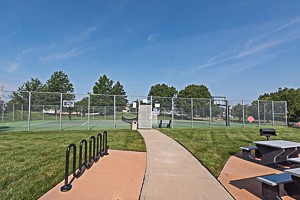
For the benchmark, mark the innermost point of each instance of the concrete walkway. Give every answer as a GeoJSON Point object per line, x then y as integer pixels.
{"type": "Point", "coordinates": [173, 173]}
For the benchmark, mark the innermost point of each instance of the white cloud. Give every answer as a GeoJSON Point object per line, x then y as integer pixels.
{"type": "Point", "coordinates": [91, 29]}
{"type": "Point", "coordinates": [10, 67]}
{"type": "Point", "coordinates": [62, 55]}
{"type": "Point", "coordinates": [152, 37]}
{"type": "Point", "coordinates": [27, 51]}
{"type": "Point", "coordinates": [81, 37]}
{"type": "Point", "coordinates": [262, 41]}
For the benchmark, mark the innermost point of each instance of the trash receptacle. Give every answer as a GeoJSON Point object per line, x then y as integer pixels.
{"type": "Point", "coordinates": [134, 125]}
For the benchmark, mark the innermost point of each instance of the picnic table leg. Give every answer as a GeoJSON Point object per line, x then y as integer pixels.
{"type": "Point", "coordinates": [269, 154]}
{"type": "Point", "coordinates": [292, 190]}
{"type": "Point", "coordinates": [257, 153]}
{"type": "Point", "coordinates": [295, 153]}
{"type": "Point", "coordinates": [285, 155]}
{"type": "Point", "coordinates": [270, 192]}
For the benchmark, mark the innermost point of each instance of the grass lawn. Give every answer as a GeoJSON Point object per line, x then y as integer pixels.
{"type": "Point", "coordinates": [213, 146]}
{"type": "Point", "coordinates": [31, 163]}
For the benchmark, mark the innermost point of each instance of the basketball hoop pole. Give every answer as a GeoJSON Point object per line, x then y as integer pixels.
{"type": "Point", "coordinates": [227, 112]}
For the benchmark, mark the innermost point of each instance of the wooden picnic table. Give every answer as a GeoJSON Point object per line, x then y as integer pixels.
{"type": "Point", "coordinates": [276, 151]}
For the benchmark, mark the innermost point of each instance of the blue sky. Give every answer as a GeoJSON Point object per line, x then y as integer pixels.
{"type": "Point", "coordinates": [239, 49]}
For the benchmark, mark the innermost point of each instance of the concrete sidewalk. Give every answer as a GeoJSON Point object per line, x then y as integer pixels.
{"type": "Point", "coordinates": [173, 173]}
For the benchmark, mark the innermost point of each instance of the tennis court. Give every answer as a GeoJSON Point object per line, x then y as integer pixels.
{"type": "Point", "coordinates": [38, 125]}
{"type": "Point", "coordinates": [63, 125]}
{"type": "Point", "coordinates": [57, 111]}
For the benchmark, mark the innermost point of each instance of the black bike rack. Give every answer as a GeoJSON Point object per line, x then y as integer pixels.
{"type": "Point", "coordinates": [105, 146]}
{"type": "Point", "coordinates": [97, 149]}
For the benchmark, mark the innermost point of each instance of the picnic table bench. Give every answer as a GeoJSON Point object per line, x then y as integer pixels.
{"type": "Point", "coordinates": [165, 122]}
{"type": "Point", "coordinates": [247, 152]}
{"type": "Point", "coordinates": [271, 184]}
{"type": "Point", "coordinates": [294, 160]}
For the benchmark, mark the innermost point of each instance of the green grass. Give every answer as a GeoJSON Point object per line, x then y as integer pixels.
{"type": "Point", "coordinates": [213, 146]}
{"type": "Point", "coordinates": [31, 163]}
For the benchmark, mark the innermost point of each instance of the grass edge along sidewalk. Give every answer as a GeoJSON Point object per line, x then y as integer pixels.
{"type": "Point", "coordinates": [31, 163]}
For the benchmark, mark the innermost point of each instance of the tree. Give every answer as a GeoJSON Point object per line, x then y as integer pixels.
{"type": "Point", "coordinates": [118, 89]}
{"type": "Point", "coordinates": [59, 82]}
{"type": "Point", "coordinates": [198, 97]}
{"type": "Point", "coordinates": [121, 98]}
{"type": "Point", "coordinates": [237, 111]}
{"type": "Point", "coordinates": [162, 90]}
{"type": "Point", "coordinates": [103, 85]}
{"type": "Point", "coordinates": [291, 95]}
{"type": "Point", "coordinates": [21, 96]}
{"type": "Point", "coordinates": [103, 91]}
{"type": "Point", "coordinates": [195, 91]}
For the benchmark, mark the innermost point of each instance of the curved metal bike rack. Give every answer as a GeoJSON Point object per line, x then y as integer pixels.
{"type": "Point", "coordinates": [97, 149]}
{"type": "Point", "coordinates": [105, 146]}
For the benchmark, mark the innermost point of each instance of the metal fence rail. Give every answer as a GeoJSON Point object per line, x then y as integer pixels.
{"type": "Point", "coordinates": [52, 111]}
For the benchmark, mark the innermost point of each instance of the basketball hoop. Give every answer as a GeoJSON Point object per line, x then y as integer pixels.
{"type": "Point", "coordinates": [68, 104]}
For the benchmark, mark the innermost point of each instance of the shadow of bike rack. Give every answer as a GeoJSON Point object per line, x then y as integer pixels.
{"type": "Point", "coordinates": [97, 149]}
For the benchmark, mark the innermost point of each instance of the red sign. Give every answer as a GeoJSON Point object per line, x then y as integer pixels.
{"type": "Point", "coordinates": [250, 119]}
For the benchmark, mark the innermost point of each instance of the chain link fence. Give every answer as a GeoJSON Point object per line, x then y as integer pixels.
{"type": "Point", "coordinates": [24, 111]}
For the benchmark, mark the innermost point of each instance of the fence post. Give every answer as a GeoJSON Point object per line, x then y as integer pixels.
{"type": "Point", "coordinates": [115, 112]}
{"type": "Point", "coordinates": [60, 113]}
{"type": "Point", "coordinates": [13, 112]}
{"type": "Point", "coordinates": [243, 113]}
{"type": "Point", "coordinates": [93, 113]}
{"type": "Point", "coordinates": [3, 112]}
{"type": "Point", "coordinates": [43, 112]}
{"type": "Point", "coordinates": [151, 111]}
{"type": "Point", "coordinates": [273, 113]}
{"type": "Point", "coordinates": [258, 113]}
{"type": "Point", "coordinates": [29, 111]}
{"type": "Point", "coordinates": [286, 113]}
{"type": "Point", "coordinates": [210, 113]}
{"type": "Point", "coordinates": [22, 113]}
{"type": "Point", "coordinates": [192, 113]}
{"type": "Point", "coordinates": [89, 107]}
{"type": "Point", "coordinates": [172, 113]}
{"type": "Point", "coordinates": [80, 113]}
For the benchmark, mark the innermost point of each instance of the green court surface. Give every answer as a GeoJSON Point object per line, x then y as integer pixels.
{"type": "Point", "coordinates": [38, 125]}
